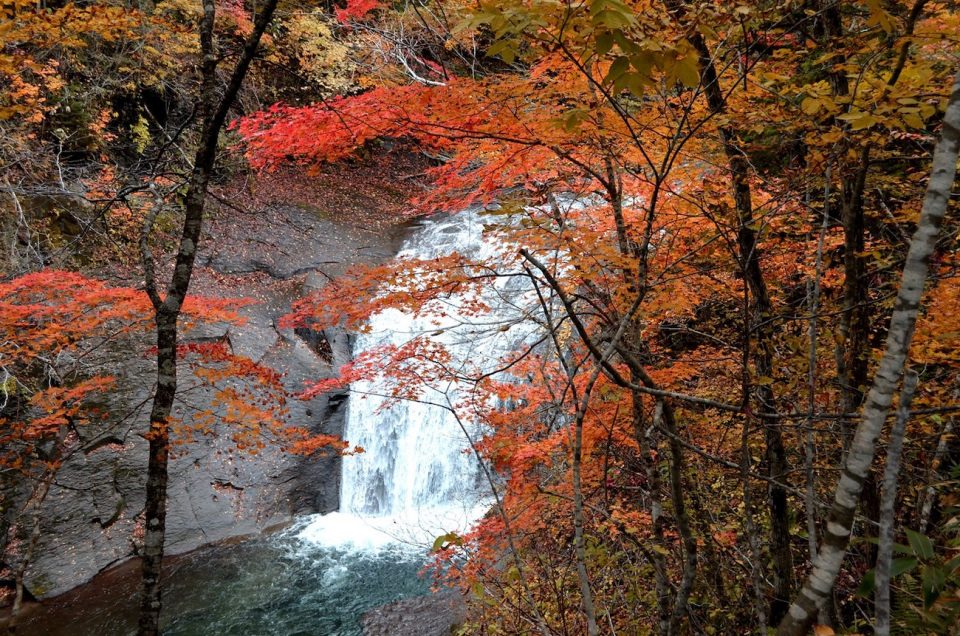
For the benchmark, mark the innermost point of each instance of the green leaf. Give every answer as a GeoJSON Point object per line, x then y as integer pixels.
{"type": "Point", "coordinates": [621, 83]}
{"type": "Point", "coordinates": [921, 544]}
{"type": "Point", "coordinates": [611, 19]}
{"type": "Point", "coordinates": [901, 565]}
{"type": "Point", "coordinates": [643, 62]}
{"type": "Point", "coordinates": [604, 43]}
{"type": "Point", "coordinates": [897, 547]}
{"type": "Point", "coordinates": [868, 584]}
{"type": "Point", "coordinates": [624, 43]}
{"type": "Point", "coordinates": [934, 583]}
{"type": "Point", "coordinates": [635, 83]}
{"type": "Point", "coordinates": [618, 68]}
{"type": "Point", "coordinates": [451, 537]}
{"type": "Point", "coordinates": [897, 567]}
{"type": "Point", "coordinates": [707, 31]}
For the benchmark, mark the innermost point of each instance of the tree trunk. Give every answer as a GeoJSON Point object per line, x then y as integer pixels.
{"type": "Point", "coordinates": [885, 550]}
{"type": "Point", "coordinates": [777, 465]}
{"type": "Point", "coordinates": [168, 309]}
{"type": "Point", "coordinates": [930, 493]}
{"type": "Point", "coordinates": [652, 471]}
{"type": "Point", "coordinates": [820, 582]}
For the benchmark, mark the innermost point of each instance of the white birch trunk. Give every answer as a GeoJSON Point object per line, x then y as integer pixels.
{"type": "Point", "coordinates": [819, 585]}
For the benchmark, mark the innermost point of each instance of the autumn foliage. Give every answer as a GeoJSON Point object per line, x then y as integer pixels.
{"type": "Point", "coordinates": [710, 205]}
{"type": "Point", "coordinates": [60, 330]}
{"type": "Point", "coordinates": [696, 214]}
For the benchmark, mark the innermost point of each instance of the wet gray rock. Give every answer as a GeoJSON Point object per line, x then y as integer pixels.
{"type": "Point", "coordinates": [433, 615]}
{"type": "Point", "coordinates": [90, 518]}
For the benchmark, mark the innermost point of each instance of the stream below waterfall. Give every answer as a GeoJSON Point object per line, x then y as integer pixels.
{"type": "Point", "coordinates": [283, 585]}
{"type": "Point", "coordinates": [413, 483]}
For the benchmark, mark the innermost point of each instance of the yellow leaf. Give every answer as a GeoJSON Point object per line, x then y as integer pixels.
{"type": "Point", "coordinates": [810, 105]}
{"type": "Point", "coordinates": [832, 137]}
{"type": "Point", "coordinates": [862, 122]}
{"type": "Point", "coordinates": [913, 121]}
{"type": "Point", "coordinates": [687, 72]}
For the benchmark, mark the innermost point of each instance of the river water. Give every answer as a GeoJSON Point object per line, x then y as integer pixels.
{"type": "Point", "coordinates": [413, 483]}
{"type": "Point", "coordinates": [282, 585]}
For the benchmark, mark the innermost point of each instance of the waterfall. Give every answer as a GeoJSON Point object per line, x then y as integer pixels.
{"type": "Point", "coordinates": [414, 481]}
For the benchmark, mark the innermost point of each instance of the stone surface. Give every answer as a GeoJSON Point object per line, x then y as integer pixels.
{"type": "Point", "coordinates": [90, 518]}
{"type": "Point", "coordinates": [433, 615]}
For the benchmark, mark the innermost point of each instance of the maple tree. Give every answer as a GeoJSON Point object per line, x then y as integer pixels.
{"type": "Point", "coordinates": [135, 57]}
{"type": "Point", "coordinates": [745, 179]}
{"type": "Point", "coordinates": [60, 332]}
{"type": "Point", "coordinates": [168, 307]}
{"type": "Point", "coordinates": [705, 207]}
{"type": "Point", "coordinates": [50, 388]}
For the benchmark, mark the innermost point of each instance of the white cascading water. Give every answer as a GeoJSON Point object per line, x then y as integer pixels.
{"type": "Point", "coordinates": [414, 481]}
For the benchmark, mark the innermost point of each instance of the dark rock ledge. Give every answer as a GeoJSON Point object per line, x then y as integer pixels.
{"type": "Point", "coordinates": [434, 615]}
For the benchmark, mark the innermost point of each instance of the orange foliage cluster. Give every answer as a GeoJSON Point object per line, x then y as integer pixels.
{"type": "Point", "coordinates": [608, 104]}
{"type": "Point", "coordinates": [59, 329]}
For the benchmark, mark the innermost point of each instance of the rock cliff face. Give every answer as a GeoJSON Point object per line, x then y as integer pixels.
{"type": "Point", "coordinates": [90, 518]}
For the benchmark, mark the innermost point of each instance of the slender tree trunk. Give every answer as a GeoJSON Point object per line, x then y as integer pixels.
{"type": "Point", "coordinates": [588, 608]}
{"type": "Point", "coordinates": [885, 549]}
{"type": "Point", "coordinates": [39, 495]}
{"type": "Point", "coordinates": [652, 471]}
{"type": "Point", "coordinates": [854, 356]}
{"type": "Point", "coordinates": [688, 541]}
{"type": "Point", "coordinates": [826, 616]}
{"type": "Point", "coordinates": [156, 503]}
{"type": "Point", "coordinates": [669, 620]}
{"type": "Point", "coordinates": [930, 493]}
{"type": "Point", "coordinates": [853, 350]}
{"type": "Point", "coordinates": [753, 538]}
{"type": "Point", "coordinates": [819, 584]}
{"type": "Point", "coordinates": [168, 309]}
{"type": "Point", "coordinates": [777, 465]}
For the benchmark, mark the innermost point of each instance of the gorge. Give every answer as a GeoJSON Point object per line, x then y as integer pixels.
{"type": "Point", "coordinates": [412, 482]}
{"type": "Point", "coordinates": [662, 297]}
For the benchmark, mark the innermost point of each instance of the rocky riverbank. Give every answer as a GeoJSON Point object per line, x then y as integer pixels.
{"type": "Point", "coordinates": [432, 615]}
{"type": "Point", "coordinates": [284, 239]}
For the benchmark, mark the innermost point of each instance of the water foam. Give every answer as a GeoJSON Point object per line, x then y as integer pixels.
{"type": "Point", "coordinates": [416, 479]}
